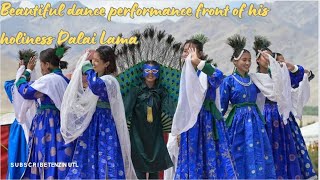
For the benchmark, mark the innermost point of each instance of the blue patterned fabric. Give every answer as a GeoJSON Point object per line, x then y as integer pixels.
{"type": "Point", "coordinates": [250, 146]}
{"type": "Point", "coordinates": [17, 144]}
{"type": "Point", "coordinates": [98, 151]}
{"type": "Point", "coordinates": [281, 139]}
{"type": "Point", "coordinates": [200, 156]}
{"type": "Point", "coordinates": [306, 166]}
{"type": "Point", "coordinates": [302, 152]}
{"type": "Point", "coordinates": [46, 145]}
{"type": "Point", "coordinates": [97, 85]}
{"type": "Point", "coordinates": [296, 77]}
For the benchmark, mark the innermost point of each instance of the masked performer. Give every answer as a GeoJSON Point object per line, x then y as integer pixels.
{"type": "Point", "coordinates": [151, 90]}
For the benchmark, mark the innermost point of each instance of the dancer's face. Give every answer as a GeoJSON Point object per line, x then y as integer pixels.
{"type": "Point", "coordinates": [280, 58]}
{"type": "Point", "coordinates": [151, 73]}
{"type": "Point", "coordinates": [244, 63]}
{"type": "Point", "coordinates": [185, 51]}
{"type": "Point", "coordinates": [98, 64]}
{"type": "Point", "coordinates": [45, 67]}
{"type": "Point", "coordinates": [263, 62]}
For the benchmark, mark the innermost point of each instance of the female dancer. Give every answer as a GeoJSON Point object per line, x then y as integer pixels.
{"type": "Point", "coordinates": [18, 149]}
{"type": "Point", "coordinates": [289, 150]}
{"type": "Point", "coordinates": [95, 117]}
{"type": "Point", "coordinates": [250, 145]}
{"type": "Point", "coordinates": [46, 145]}
{"type": "Point", "coordinates": [204, 150]}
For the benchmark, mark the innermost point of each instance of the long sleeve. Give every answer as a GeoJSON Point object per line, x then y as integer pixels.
{"type": "Point", "coordinates": [168, 108]}
{"type": "Point", "coordinates": [215, 79]}
{"type": "Point", "coordinates": [224, 95]}
{"type": "Point", "coordinates": [96, 84]}
{"type": "Point", "coordinates": [168, 105]}
{"type": "Point", "coordinates": [8, 88]}
{"type": "Point", "coordinates": [25, 89]}
{"type": "Point", "coordinates": [215, 76]}
{"type": "Point", "coordinates": [206, 68]}
{"type": "Point", "coordinates": [129, 104]}
{"type": "Point", "coordinates": [296, 77]}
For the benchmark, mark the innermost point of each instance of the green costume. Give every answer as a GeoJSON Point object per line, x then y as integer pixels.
{"type": "Point", "coordinates": [149, 111]}
{"type": "Point", "coordinates": [149, 151]}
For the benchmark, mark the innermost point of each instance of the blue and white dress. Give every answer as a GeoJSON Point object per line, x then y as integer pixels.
{"type": "Point", "coordinates": [283, 146]}
{"type": "Point", "coordinates": [249, 141]}
{"type": "Point", "coordinates": [18, 148]}
{"type": "Point", "coordinates": [204, 149]}
{"type": "Point", "coordinates": [98, 151]}
{"type": "Point", "coordinates": [306, 167]}
{"type": "Point", "coordinates": [46, 145]}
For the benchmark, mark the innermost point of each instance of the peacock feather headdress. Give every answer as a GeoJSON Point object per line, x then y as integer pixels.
{"type": "Point", "coordinates": [261, 43]}
{"type": "Point", "coordinates": [154, 45]}
{"type": "Point", "coordinates": [61, 49]}
{"type": "Point", "coordinates": [26, 54]}
{"type": "Point", "coordinates": [237, 43]}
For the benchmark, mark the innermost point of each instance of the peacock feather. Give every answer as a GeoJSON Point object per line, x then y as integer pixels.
{"type": "Point", "coordinates": [154, 45]}
{"type": "Point", "coordinates": [26, 54]}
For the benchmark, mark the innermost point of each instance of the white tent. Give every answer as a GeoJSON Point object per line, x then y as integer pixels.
{"type": "Point", "coordinates": [7, 119]}
{"type": "Point", "coordinates": [310, 133]}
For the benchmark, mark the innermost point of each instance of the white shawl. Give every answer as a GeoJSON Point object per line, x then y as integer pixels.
{"type": "Point", "coordinates": [51, 84]}
{"type": "Point", "coordinates": [79, 105]}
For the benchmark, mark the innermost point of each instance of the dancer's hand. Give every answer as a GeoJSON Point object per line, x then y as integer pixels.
{"type": "Point", "coordinates": [90, 55]}
{"type": "Point", "coordinates": [290, 66]}
{"type": "Point", "coordinates": [195, 60]}
{"type": "Point", "coordinates": [264, 54]}
{"type": "Point", "coordinates": [32, 63]}
{"type": "Point", "coordinates": [84, 81]}
{"type": "Point", "coordinates": [21, 63]}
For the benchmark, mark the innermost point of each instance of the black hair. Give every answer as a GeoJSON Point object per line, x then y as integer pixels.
{"type": "Point", "coordinates": [198, 45]}
{"type": "Point", "coordinates": [54, 55]}
{"type": "Point", "coordinates": [275, 54]}
{"type": "Point", "coordinates": [107, 54]}
{"type": "Point", "coordinates": [195, 42]}
{"type": "Point", "coordinates": [237, 43]}
{"type": "Point", "coordinates": [152, 62]}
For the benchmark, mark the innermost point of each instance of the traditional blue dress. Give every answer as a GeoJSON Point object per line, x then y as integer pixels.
{"type": "Point", "coordinates": [306, 167]}
{"type": "Point", "coordinates": [46, 144]}
{"type": "Point", "coordinates": [250, 145]}
{"type": "Point", "coordinates": [282, 142]}
{"type": "Point", "coordinates": [204, 149]}
{"type": "Point", "coordinates": [98, 151]}
{"type": "Point", "coordinates": [18, 148]}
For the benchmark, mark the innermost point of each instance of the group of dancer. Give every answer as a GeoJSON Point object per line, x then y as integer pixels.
{"type": "Point", "coordinates": [109, 134]}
